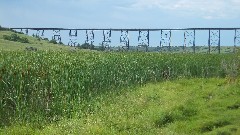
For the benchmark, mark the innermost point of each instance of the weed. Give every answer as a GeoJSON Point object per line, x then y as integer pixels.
{"type": "Point", "coordinates": [31, 49]}
{"type": "Point", "coordinates": [210, 126]}
{"type": "Point", "coordinates": [53, 41]}
{"type": "Point", "coordinates": [234, 106]}
{"type": "Point", "coordinates": [231, 69]}
{"type": "Point", "coordinates": [223, 133]}
{"type": "Point", "coordinates": [180, 113]}
{"type": "Point", "coordinates": [186, 111]}
{"type": "Point", "coordinates": [165, 119]}
{"type": "Point", "coordinates": [233, 129]}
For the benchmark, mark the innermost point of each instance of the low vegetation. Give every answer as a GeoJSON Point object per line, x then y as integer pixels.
{"type": "Point", "coordinates": [169, 107]}
{"type": "Point", "coordinates": [16, 38]}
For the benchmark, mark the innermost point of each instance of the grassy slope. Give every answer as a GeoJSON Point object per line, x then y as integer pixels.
{"type": "Point", "coordinates": [194, 106]}
{"type": "Point", "coordinates": [6, 45]}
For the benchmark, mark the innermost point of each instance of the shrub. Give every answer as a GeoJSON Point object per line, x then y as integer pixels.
{"type": "Point", "coordinates": [31, 49]}
{"type": "Point", "coordinates": [24, 40]}
{"type": "Point", "coordinates": [165, 119]}
{"type": "Point", "coordinates": [61, 43]}
{"type": "Point", "coordinates": [53, 41]}
{"type": "Point", "coordinates": [183, 112]}
{"type": "Point", "coordinates": [234, 106]}
{"type": "Point", "coordinates": [223, 133]}
{"type": "Point", "coordinates": [210, 126]}
{"type": "Point", "coordinates": [18, 32]}
{"type": "Point", "coordinates": [87, 46]}
{"type": "Point", "coordinates": [46, 39]}
{"type": "Point", "coordinates": [4, 29]}
{"type": "Point", "coordinates": [15, 38]}
{"type": "Point", "coordinates": [5, 37]}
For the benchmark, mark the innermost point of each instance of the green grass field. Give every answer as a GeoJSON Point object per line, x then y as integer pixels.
{"type": "Point", "coordinates": [185, 106]}
{"type": "Point", "coordinates": [56, 91]}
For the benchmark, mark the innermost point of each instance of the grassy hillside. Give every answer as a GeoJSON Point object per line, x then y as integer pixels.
{"type": "Point", "coordinates": [185, 106]}
{"type": "Point", "coordinates": [6, 45]}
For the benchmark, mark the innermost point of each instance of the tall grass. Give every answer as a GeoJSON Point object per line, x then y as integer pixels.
{"type": "Point", "coordinates": [47, 86]}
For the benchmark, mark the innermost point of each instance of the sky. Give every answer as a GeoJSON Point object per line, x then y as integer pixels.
{"type": "Point", "coordinates": [120, 13]}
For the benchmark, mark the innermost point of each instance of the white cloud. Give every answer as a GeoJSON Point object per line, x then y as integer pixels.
{"type": "Point", "coordinates": [208, 9]}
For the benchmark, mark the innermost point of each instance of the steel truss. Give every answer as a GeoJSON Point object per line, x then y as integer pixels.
{"type": "Point", "coordinates": [89, 37]}
{"type": "Point", "coordinates": [56, 35]}
{"type": "Point", "coordinates": [189, 40]}
{"type": "Point", "coordinates": [72, 38]}
{"type": "Point", "coordinates": [106, 39]}
{"type": "Point", "coordinates": [124, 40]}
{"type": "Point", "coordinates": [236, 39]}
{"type": "Point", "coordinates": [165, 40]}
{"type": "Point", "coordinates": [143, 40]}
{"type": "Point", "coordinates": [214, 41]}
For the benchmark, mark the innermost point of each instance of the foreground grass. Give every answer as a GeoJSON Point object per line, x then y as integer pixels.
{"type": "Point", "coordinates": [194, 106]}
{"type": "Point", "coordinates": [47, 86]}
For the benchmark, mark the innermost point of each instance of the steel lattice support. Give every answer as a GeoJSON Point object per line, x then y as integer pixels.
{"type": "Point", "coordinates": [89, 37]}
{"type": "Point", "coordinates": [106, 39]}
{"type": "Point", "coordinates": [214, 39]}
{"type": "Point", "coordinates": [189, 40]}
{"type": "Point", "coordinates": [124, 39]}
{"type": "Point", "coordinates": [236, 39]}
{"type": "Point", "coordinates": [56, 36]}
{"type": "Point", "coordinates": [72, 38]}
{"type": "Point", "coordinates": [143, 39]}
{"type": "Point", "coordinates": [165, 39]}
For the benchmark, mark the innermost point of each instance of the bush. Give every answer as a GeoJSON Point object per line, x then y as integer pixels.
{"type": "Point", "coordinates": [46, 39]}
{"type": "Point", "coordinates": [15, 38]}
{"type": "Point", "coordinates": [24, 40]}
{"type": "Point", "coordinates": [61, 43]}
{"type": "Point", "coordinates": [53, 41]}
{"type": "Point", "coordinates": [18, 32]}
{"type": "Point", "coordinates": [5, 37]}
{"type": "Point", "coordinates": [234, 106]}
{"type": "Point", "coordinates": [180, 113]}
{"type": "Point", "coordinates": [4, 29]}
{"type": "Point", "coordinates": [211, 125]}
{"type": "Point", "coordinates": [31, 49]}
{"type": "Point", "coordinates": [87, 46]}
{"type": "Point", "coordinates": [165, 119]}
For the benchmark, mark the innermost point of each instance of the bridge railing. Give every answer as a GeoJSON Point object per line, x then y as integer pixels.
{"type": "Point", "coordinates": [164, 38]}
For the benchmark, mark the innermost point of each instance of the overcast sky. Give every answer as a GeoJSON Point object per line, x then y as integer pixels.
{"type": "Point", "coordinates": [120, 13]}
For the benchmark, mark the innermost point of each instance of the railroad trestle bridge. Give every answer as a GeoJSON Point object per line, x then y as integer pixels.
{"type": "Point", "coordinates": [164, 39]}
